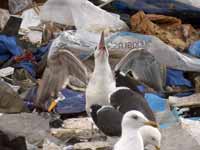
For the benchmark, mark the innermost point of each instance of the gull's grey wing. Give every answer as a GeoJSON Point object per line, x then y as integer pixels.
{"type": "Point", "coordinates": [107, 119]}
{"type": "Point", "coordinates": [124, 100]}
{"type": "Point", "coordinates": [144, 68]}
{"type": "Point", "coordinates": [60, 65]}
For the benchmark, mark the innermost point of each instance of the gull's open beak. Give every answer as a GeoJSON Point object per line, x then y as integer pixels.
{"type": "Point", "coordinates": [157, 147]}
{"type": "Point", "coordinates": [151, 123]}
{"type": "Point", "coordinates": [102, 43]}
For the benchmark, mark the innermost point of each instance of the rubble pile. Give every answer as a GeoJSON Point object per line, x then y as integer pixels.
{"type": "Point", "coordinates": [167, 74]}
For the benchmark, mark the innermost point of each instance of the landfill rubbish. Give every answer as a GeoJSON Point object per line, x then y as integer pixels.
{"type": "Point", "coordinates": [185, 101]}
{"type": "Point", "coordinates": [4, 16]}
{"type": "Point", "coordinates": [175, 77]}
{"type": "Point", "coordinates": [16, 6]}
{"type": "Point", "coordinates": [162, 52]}
{"type": "Point", "coordinates": [10, 101]}
{"type": "Point", "coordinates": [194, 49]}
{"type": "Point", "coordinates": [8, 47]}
{"type": "Point", "coordinates": [156, 103]}
{"type": "Point", "coordinates": [74, 102]}
{"type": "Point", "coordinates": [151, 68]}
{"type": "Point", "coordinates": [69, 14]}
{"type": "Point", "coordinates": [12, 26]}
{"type": "Point", "coordinates": [164, 68]}
{"type": "Point", "coordinates": [6, 71]}
{"type": "Point", "coordinates": [30, 19]}
{"type": "Point", "coordinates": [175, 8]}
{"type": "Point", "coordinates": [33, 127]}
{"type": "Point", "coordinates": [168, 29]}
{"type": "Point", "coordinates": [35, 37]}
{"type": "Point", "coordinates": [6, 143]}
{"type": "Point", "coordinates": [176, 140]}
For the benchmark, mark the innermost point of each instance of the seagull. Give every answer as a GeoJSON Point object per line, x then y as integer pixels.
{"type": "Point", "coordinates": [102, 81]}
{"type": "Point", "coordinates": [108, 118]}
{"type": "Point", "coordinates": [131, 137]}
{"type": "Point", "coordinates": [102, 89]}
{"type": "Point", "coordinates": [151, 136]}
{"type": "Point", "coordinates": [61, 64]}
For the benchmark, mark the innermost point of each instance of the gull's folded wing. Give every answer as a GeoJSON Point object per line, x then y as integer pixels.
{"type": "Point", "coordinates": [107, 119]}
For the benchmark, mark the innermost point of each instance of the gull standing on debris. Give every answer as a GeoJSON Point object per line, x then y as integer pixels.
{"type": "Point", "coordinates": [109, 120]}
{"type": "Point", "coordinates": [131, 137]}
{"type": "Point", "coordinates": [102, 81]}
{"type": "Point", "coordinates": [102, 90]}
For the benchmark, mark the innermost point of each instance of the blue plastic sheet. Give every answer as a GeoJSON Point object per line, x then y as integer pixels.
{"type": "Point", "coordinates": [156, 103]}
{"type": "Point", "coordinates": [28, 66]}
{"type": "Point", "coordinates": [74, 102]}
{"type": "Point", "coordinates": [176, 78]}
{"type": "Point", "coordinates": [41, 51]}
{"type": "Point", "coordinates": [194, 49]}
{"type": "Point", "coordinates": [158, 6]}
{"type": "Point", "coordinates": [9, 48]}
{"type": "Point", "coordinates": [176, 8]}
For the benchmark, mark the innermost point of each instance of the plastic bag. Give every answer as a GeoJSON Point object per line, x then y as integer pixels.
{"type": "Point", "coordinates": [163, 53]}
{"type": "Point", "coordinates": [30, 19]}
{"type": "Point", "coordinates": [194, 49]}
{"type": "Point", "coordinates": [16, 6]}
{"type": "Point", "coordinates": [72, 41]}
{"type": "Point", "coordinates": [4, 16]}
{"type": "Point", "coordinates": [83, 14]}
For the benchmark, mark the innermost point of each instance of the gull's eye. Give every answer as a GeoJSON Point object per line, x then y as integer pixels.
{"type": "Point", "coordinates": [135, 117]}
{"type": "Point", "coordinates": [153, 139]}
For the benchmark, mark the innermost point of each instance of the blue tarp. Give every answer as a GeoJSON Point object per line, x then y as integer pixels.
{"type": "Point", "coordinates": [41, 51]}
{"type": "Point", "coordinates": [158, 6]}
{"type": "Point", "coordinates": [9, 48]}
{"type": "Point", "coordinates": [187, 10]}
{"type": "Point", "coordinates": [73, 103]}
{"type": "Point", "coordinates": [28, 66]}
{"type": "Point", "coordinates": [176, 78]}
{"type": "Point", "coordinates": [194, 49]}
{"type": "Point", "coordinates": [156, 103]}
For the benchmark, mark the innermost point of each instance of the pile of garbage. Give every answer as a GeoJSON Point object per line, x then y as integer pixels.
{"type": "Point", "coordinates": [169, 78]}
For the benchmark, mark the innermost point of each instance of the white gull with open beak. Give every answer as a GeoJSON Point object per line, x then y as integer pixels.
{"type": "Point", "coordinates": [102, 81]}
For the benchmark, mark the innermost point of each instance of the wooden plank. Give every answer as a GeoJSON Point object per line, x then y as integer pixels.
{"type": "Point", "coordinates": [188, 101]}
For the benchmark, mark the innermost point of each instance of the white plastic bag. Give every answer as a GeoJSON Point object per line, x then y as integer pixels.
{"type": "Point", "coordinates": [30, 19]}
{"type": "Point", "coordinates": [71, 40]}
{"type": "Point", "coordinates": [57, 11]}
{"type": "Point", "coordinates": [83, 14]}
{"type": "Point", "coordinates": [163, 53]}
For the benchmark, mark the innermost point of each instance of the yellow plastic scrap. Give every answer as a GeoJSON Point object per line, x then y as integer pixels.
{"type": "Point", "coordinates": [52, 105]}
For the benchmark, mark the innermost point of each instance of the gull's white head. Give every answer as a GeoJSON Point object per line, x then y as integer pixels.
{"type": "Point", "coordinates": [101, 53]}
{"type": "Point", "coordinates": [135, 119]}
{"type": "Point", "coordinates": [151, 136]}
